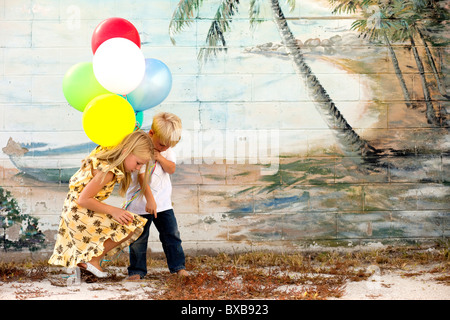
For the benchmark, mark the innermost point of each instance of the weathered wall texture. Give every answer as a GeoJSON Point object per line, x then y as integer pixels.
{"type": "Point", "coordinates": [269, 156]}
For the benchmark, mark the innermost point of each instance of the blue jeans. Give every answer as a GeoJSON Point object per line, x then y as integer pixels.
{"type": "Point", "coordinates": [166, 224]}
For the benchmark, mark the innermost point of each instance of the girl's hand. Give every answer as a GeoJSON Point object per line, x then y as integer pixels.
{"type": "Point", "coordinates": [122, 216]}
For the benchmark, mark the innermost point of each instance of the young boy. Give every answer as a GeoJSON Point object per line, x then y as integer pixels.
{"type": "Point", "coordinates": [156, 206]}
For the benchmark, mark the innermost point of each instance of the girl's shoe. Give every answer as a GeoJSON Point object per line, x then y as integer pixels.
{"type": "Point", "coordinates": [99, 274]}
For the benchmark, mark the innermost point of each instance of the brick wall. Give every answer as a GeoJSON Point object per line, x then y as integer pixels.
{"type": "Point", "coordinates": [260, 163]}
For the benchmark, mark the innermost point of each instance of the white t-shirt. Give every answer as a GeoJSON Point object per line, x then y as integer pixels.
{"type": "Point", "coordinates": [160, 185]}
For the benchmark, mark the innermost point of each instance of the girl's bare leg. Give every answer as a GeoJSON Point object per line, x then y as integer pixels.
{"type": "Point", "coordinates": [108, 245]}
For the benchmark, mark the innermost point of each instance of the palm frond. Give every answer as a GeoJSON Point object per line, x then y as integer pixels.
{"type": "Point", "coordinates": [291, 4]}
{"type": "Point", "coordinates": [347, 6]}
{"type": "Point", "coordinates": [183, 16]}
{"type": "Point", "coordinates": [215, 40]}
{"type": "Point", "coordinates": [359, 25]}
{"type": "Point", "coordinates": [254, 12]}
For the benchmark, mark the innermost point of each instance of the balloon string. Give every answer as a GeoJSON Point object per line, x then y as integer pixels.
{"type": "Point", "coordinates": [137, 126]}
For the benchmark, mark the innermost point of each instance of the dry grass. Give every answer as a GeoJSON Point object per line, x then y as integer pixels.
{"type": "Point", "coordinates": [234, 283]}
{"type": "Point", "coordinates": [314, 275]}
{"type": "Point", "coordinates": [34, 271]}
{"type": "Point", "coordinates": [262, 275]}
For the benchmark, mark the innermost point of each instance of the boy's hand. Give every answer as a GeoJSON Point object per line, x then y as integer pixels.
{"type": "Point", "coordinates": [156, 155]}
{"type": "Point", "coordinates": [150, 207]}
{"type": "Point", "coordinates": [167, 165]}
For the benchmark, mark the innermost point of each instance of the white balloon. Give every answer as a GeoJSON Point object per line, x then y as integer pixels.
{"type": "Point", "coordinates": [119, 65]}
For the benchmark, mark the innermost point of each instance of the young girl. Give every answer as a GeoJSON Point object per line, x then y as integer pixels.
{"type": "Point", "coordinates": [89, 229]}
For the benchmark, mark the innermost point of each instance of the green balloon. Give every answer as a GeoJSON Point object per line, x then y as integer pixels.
{"type": "Point", "coordinates": [81, 86]}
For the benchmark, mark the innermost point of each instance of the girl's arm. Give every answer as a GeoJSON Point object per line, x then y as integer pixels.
{"type": "Point", "coordinates": [150, 207]}
{"type": "Point", "coordinates": [87, 200]}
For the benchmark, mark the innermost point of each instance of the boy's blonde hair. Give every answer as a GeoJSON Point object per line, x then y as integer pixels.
{"type": "Point", "coordinates": [167, 127]}
{"type": "Point", "coordinates": [138, 143]}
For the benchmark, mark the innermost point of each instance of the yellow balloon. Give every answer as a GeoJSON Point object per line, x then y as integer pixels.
{"type": "Point", "coordinates": [107, 119]}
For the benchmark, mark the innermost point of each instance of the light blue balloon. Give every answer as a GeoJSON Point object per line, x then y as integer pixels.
{"type": "Point", "coordinates": [154, 88]}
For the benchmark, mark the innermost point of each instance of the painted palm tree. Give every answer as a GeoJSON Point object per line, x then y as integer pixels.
{"type": "Point", "coordinates": [374, 26]}
{"type": "Point", "coordinates": [429, 15]}
{"type": "Point", "coordinates": [437, 76]}
{"type": "Point", "coordinates": [398, 20]}
{"type": "Point", "coordinates": [351, 143]}
{"type": "Point", "coordinates": [412, 14]}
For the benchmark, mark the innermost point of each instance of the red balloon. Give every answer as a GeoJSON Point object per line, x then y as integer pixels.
{"type": "Point", "coordinates": [114, 28]}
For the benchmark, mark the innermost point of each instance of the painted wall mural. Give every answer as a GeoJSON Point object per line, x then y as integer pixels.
{"type": "Point", "coordinates": [313, 121]}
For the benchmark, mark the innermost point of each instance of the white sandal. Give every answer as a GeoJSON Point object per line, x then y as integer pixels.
{"type": "Point", "coordinates": [95, 271]}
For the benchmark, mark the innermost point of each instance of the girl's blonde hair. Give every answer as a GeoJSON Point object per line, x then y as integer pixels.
{"type": "Point", "coordinates": [167, 127]}
{"type": "Point", "coordinates": [138, 143]}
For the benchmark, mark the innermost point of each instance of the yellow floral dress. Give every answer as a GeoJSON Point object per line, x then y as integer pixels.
{"type": "Point", "coordinates": [82, 232]}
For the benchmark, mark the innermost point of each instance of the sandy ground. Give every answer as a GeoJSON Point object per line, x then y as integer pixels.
{"type": "Point", "coordinates": [386, 285]}
{"type": "Point", "coordinates": [394, 285]}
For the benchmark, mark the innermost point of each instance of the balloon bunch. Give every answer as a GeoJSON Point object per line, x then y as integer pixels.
{"type": "Point", "coordinates": [119, 83]}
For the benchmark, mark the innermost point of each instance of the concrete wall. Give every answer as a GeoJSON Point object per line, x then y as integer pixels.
{"type": "Point", "coordinates": [259, 164]}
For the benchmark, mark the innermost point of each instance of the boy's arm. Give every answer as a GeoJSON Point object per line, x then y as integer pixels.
{"type": "Point", "coordinates": [151, 203]}
{"type": "Point", "coordinates": [167, 165]}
